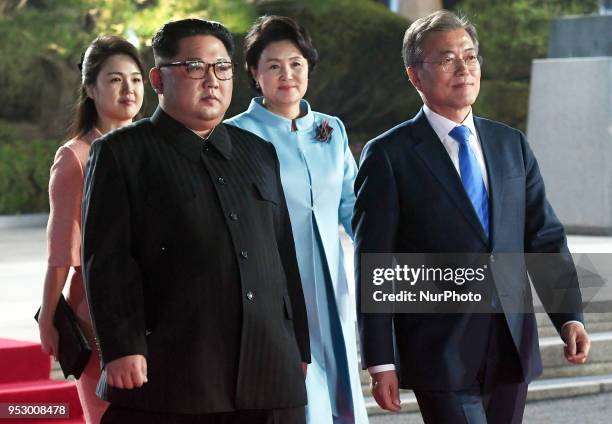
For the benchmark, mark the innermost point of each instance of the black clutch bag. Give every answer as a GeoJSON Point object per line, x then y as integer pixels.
{"type": "Point", "coordinates": [74, 349]}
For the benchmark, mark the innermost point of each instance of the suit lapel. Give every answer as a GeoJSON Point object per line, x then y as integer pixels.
{"type": "Point", "coordinates": [493, 162]}
{"type": "Point", "coordinates": [432, 152]}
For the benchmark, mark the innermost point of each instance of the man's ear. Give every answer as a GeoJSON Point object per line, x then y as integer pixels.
{"type": "Point", "coordinates": [413, 76]}
{"type": "Point", "coordinates": [156, 80]}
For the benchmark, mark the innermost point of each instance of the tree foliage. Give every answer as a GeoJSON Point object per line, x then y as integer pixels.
{"type": "Point", "coordinates": [42, 42]}
{"type": "Point", "coordinates": [514, 32]}
{"type": "Point", "coordinates": [24, 175]}
{"type": "Point", "coordinates": [360, 76]}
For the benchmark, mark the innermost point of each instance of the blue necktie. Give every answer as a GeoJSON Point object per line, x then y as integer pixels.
{"type": "Point", "coordinates": [471, 177]}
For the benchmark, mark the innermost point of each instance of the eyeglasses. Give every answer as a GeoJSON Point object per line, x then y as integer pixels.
{"type": "Point", "coordinates": [197, 69]}
{"type": "Point", "coordinates": [450, 64]}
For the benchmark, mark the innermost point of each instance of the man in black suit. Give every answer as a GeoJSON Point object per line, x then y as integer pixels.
{"type": "Point", "coordinates": [449, 182]}
{"type": "Point", "coordinates": [188, 254]}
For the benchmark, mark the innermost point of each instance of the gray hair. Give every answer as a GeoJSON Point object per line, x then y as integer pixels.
{"type": "Point", "coordinates": [440, 21]}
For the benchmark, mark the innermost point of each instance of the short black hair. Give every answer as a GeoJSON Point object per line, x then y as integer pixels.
{"type": "Point", "coordinates": [165, 42]}
{"type": "Point", "coordinates": [270, 28]}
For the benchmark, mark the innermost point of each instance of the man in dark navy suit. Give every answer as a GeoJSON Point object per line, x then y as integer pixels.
{"type": "Point", "coordinates": [449, 182]}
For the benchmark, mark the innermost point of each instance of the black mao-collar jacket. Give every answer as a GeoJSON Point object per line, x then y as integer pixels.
{"type": "Point", "coordinates": [188, 259]}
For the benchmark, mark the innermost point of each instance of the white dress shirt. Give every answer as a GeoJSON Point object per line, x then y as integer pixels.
{"type": "Point", "coordinates": [442, 126]}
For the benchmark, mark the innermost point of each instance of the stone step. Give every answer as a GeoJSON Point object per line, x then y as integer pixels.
{"type": "Point", "coordinates": [591, 319]}
{"type": "Point", "coordinates": [590, 306]}
{"type": "Point", "coordinates": [595, 323]}
{"type": "Point", "coordinates": [601, 350]}
{"type": "Point", "coordinates": [554, 362]}
{"type": "Point", "coordinates": [571, 370]}
{"type": "Point", "coordinates": [538, 390]}
{"type": "Point", "coordinates": [592, 327]}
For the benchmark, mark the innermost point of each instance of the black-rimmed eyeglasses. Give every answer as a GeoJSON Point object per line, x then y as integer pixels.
{"type": "Point", "coordinates": [197, 69]}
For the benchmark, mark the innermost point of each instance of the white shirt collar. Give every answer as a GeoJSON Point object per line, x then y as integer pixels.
{"type": "Point", "coordinates": [442, 126]}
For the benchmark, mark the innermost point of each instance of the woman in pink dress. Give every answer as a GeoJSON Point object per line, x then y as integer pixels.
{"type": "Point", "coordinates": [110, 97]}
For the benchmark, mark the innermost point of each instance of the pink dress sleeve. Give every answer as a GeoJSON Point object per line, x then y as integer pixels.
{"type": "Point", "coordinates": [65, 196]}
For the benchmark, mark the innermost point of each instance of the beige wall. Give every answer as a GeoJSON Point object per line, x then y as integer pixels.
{"type": "Point", "coordinates": [414, 9]}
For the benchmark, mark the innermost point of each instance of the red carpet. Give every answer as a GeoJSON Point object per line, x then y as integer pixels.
{"type": "Point", "coordinates": [24, 378]}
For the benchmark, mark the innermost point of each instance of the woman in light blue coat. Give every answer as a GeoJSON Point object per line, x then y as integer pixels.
{"type": "Point", "coordinates": [317, 172]}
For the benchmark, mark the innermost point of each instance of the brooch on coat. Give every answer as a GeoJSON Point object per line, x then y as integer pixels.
{"type": "Point", "coordinates": [323, 131]}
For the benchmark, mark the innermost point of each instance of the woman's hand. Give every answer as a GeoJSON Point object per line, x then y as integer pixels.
{"type": "Point", "coordinates": [55, 278]}
{"type": "Point", "coordinates": [49, 337]}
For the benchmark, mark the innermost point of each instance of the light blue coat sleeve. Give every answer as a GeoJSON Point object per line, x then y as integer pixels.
{"type": "Point", "coordinates": [347, 198]}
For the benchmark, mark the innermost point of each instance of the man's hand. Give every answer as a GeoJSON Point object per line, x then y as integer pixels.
{"type": "Point", "coordinates": [577, 343]}
{"type": "Point", "coordinates": [385, 389]}
{"type": "Point", "coordinates": [304, 368]}
{"type": "Point", "coordinates": [127, 372]}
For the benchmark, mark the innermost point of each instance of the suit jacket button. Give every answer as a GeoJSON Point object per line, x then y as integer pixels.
{"type": "Point", "coordinates": [233, 216]}
{"type": "Point", "coordinates": [492, 258]}
{"type": "Point", "coordinates": [250, 295]}
{"type": "Point", "coordinates": [221, 180]}
{"type": "Point", "coordinates": [244, 254]}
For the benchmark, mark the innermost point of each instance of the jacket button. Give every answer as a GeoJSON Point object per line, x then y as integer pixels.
{"type": "Point", "coordinates": [221, 180]}
{"type": "Point", "coordinates": [250, 295]}
{"type": "Point", "coordinates": [492, 258]}
{"type": "Point", "coordinates": [233, 216]}
{"type": "Point", "coordinates": [244, 254]}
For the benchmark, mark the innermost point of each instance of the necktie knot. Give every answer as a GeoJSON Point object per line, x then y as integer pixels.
{"type": "Point", "coordinates": [461, 133]}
